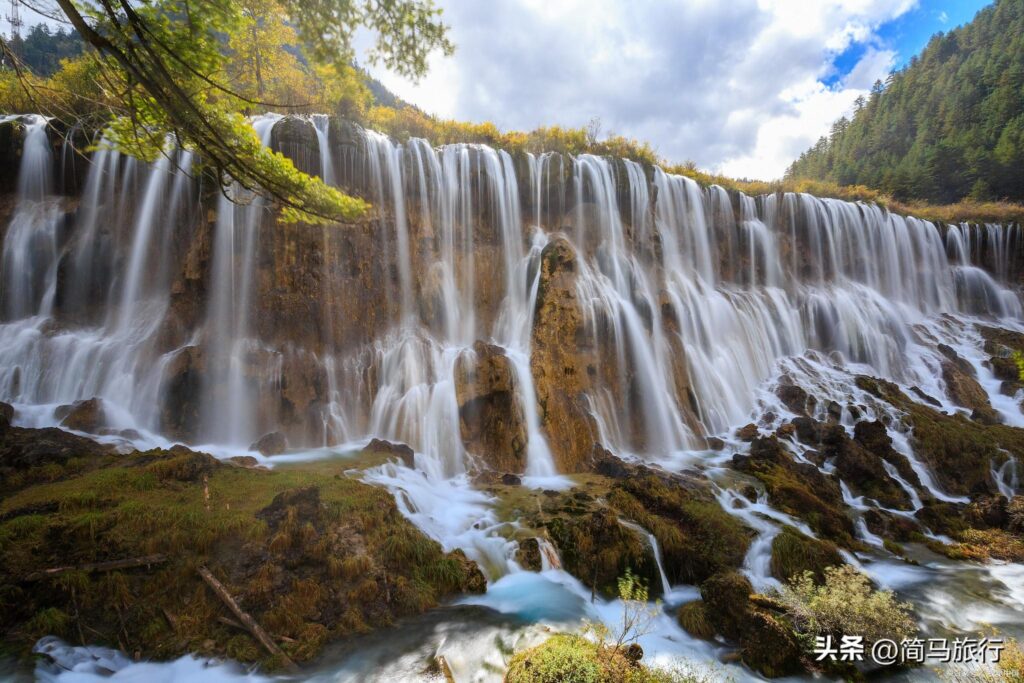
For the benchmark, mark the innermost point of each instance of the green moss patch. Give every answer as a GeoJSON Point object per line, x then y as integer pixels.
{"type": "Point", "coordinates": [310, 553]}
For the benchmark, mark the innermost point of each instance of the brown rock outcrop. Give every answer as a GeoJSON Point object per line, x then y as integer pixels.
{"type": "Point", "coordinates": [82, 416]}
{"type": "Point", "coordinates": [560, 360]}
{"type": "Point", "coordinates": [274, 443]}
{"type": "Point", "coordinates": [490, 415]}
{"type": "Point", "coordinates": [964, 390]}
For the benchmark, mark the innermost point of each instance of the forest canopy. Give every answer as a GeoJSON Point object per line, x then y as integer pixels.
{"type": "Point", "coordinates": [948, 126]}
{"type": "Point", "coordinates": [160, 70]}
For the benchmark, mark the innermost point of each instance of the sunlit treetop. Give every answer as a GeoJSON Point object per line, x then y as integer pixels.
{"type": "Point", "coordinates": [188, 69]}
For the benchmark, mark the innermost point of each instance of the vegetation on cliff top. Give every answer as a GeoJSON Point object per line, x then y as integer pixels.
{"type": "Point", "coordinates": [167, 68]}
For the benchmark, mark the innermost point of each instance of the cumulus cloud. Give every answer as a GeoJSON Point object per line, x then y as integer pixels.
{"type": "Point", "coordinates": [738, 87]}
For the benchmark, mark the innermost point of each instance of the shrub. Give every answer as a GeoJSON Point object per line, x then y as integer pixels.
{"type": "Point", "coordinates": [560, 659]}
{"type": "Point", "coordinates": [567, 658]}
{"type": "Point", "coordinates": [1009, 669]}
{"type": "Point", "coordinates": [846, 604]}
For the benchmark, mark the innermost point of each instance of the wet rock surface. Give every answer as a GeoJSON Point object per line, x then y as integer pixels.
{"type": "Point", "coordinates": [491, 417]}
{"type": "Point", "coordinates": [274, 443]}
{"type": "Point", "coordinates": [397, 450]}
{"type": "Point", "coordinates": [561, 356]}
{"type": "Point", "coordinates": [82, 416]}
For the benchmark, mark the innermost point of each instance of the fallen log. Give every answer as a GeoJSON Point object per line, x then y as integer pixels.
{"type": "Point", "coordinates": [109, 566]}
{"type": "Point", "coordinates": [250, 624]}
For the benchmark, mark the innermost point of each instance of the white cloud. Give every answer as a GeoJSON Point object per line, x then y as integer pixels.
{"type": "Point", "coordinates": [735, 86]}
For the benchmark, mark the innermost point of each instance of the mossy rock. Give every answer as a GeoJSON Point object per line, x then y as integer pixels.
{"type": "Point", "coordinates": [770, 647]}
{"type": "Point", "coordinates": [561, 658]}
{"type": "Point", "coordinates": [693, 617]}
{"type": "Point", "coordinates": [793, 553]}
{"type": "Point", "coordinates": [798, 489]}
{"type": "Point", "coordinates": [960, 451]}
{"type": "Point", "coordinates": [726, 597]}
{"type": "Point", "coordinates": [696, 536]}
{"type": "Point", "coordinates": [567, 658]}
{"type": "Point", "coordinates": [598, 549]}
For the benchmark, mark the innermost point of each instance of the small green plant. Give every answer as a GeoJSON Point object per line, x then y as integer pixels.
{"type": "Point", "coordinates": [638, 616]}
{"type": "Point", "coordinates": [603, 654]}
{"type": "Point", "coordinates": [845, 604]}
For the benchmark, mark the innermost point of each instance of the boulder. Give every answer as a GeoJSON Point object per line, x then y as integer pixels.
{"type": "Point", "coordinates": [82, 416]}
{"type": "Point", "coordinates": [597, 548]}
{"type": "Point", "coordinates": [769, 647]}
{"type": "Point", "coordinates": [273, 443]}
{"type": "Point", "coordinates": [726, 596]}
{"type": "Point", "coordinates": [793, 553]}
{"type": "Point", "coordinates": [747, 433]}
{"type": "Point", "coordinates": [491, 418]}
{"type": "Point", "coordinates": [766, 645]}
{"type": "Point", "coordinates": [693, 617]}
{"type": "Point", "coordinates": [473, 580]}
{"type": "Point", "coordinates": [808, 430]}
{"type": "Point", "coordinates": [794, 397]}
{"type": "Point", "coordinates": [528, 554]}
{"type": "Point", "coordinates": [6, 416]}
{"type": "Point", "coordinates": [964, 390]}
{"type": "Point", "coordinates": [397, 450]}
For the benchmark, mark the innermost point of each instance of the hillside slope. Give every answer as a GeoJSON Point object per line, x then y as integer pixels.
{"type": "Point", "coordinates": [949, 125]}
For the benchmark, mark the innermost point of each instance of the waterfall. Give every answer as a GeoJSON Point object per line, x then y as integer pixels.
{"type": "Point", "coordinates": [322, 126]}
{"type": "Point", "coordinates": [29, 261]}
{"type": "Point", "coordinates": [691, 298]}
{"type": "Point", "coordinates": [229, 408]}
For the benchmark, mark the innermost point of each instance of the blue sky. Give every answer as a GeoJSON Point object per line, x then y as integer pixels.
{"type": "Point", "coordinates": [909, 33]}
{"type": "Point", "coordinates": [740, 87]}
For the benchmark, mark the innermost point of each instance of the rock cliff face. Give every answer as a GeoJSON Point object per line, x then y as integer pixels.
{"type": "Point", "coordinates": [563, 360]}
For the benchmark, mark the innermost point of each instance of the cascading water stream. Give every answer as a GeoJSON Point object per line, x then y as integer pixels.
{"type": "Point", "coordinates": [228, 400]}
{"type": "Point", "coordinates": [29, 261]}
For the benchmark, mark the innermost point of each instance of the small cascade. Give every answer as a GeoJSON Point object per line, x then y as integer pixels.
{"type": "Point", "coordinates": [652, 541]}
{"type": "Point", "coordinates": [29, 261]}
{"type": "Point", "coordinates": [1007, 477]}
{"type": "Point", "coordinates": [322, 126]}
{"type": "Point", "coordinates": [146, 223]}
{"type": "Point", "coordinates": [767, 522]}
{"type": "Point", "coordinates": [549, 558]}
{"type": "Point", "coordinates": [229, 410]}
